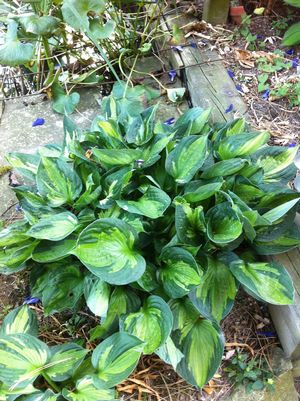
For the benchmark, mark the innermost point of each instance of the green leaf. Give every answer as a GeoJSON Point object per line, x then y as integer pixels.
{"type": "Point", "coordinates": [152, 204]}
{"type": "Point", "coordinates": [55, 227]}
{"type": "Point", "coordinates": [12, 257]}
{"type": "Point", "coordinates": [47, 395]}
{"type": "Point", "coordinates": [85, 390]}
{"type": "Point", "coordinates": [76, 13]}
{"type": "Point", "coordinates": [57, 181]}
{"type": "Point", "coordinates": [175, 94]}
{"type": "Point", "coordinates": [223, 224]}
{"type": "Point", "coordinates": [189, 223]}
{"type": "Point", "coordinates": [22, 357]}
{"type": "Point", "coordinates": [291, 36]}
{"type": "Point", "coordinates": [116, 157]}
{"type": "Point", "coordinates": [25, 163]}
{"type": "Point", "coordinates": [201, 190]}
{"type": "Point", "coordinates": [64, 360]}
{"type": "Point", "coordinates": [116, 358]}
{"type": "Point", "coordinates": [224, 168]}
{"type": "Point", "coordinates": [20, 320]}
{"type": "Point", "coordinates": [7, 394]}
{"type": "Point", "coordinates": [13, 52]}
{"type": "Point", "coordinates": [152, 324]}
{"type": "Point", "coordinates": [191, 122]}
{"type": "Point", "coordinates": [141, 129]}
{"type": "Point", "coordinates": [106, 248]}
{"type": "Point", "coordinates": [101, 30]}
{"type": "Point", "coordinates": [14, 233]}
{"type": "Point", "coordinates": [201, 342]}
{"type": "Point", "coordinates": [279, 211]}
{"type": "Point", "coordinates": [274, 160]}
{"type": "Point", "coordinates": [283, 242]}
{"type": "Point", "coordinates": [241, 144]}
{"type": "Point", "coordinates": [51, 251]}
{"type": "Point", "coordinates": [269, 281]}
{"type": "Point", "coordinates": [169, 353]}
{"type": "Point", "coordinates": [179, 273]}
{"type": "Point", "coordinates": [42, 26]}
{"type": "Point", "coordinates": [63, 103]}
{"type": "Point", "coordinates": [59, 285]}
{"type": "Point", "coordinates": [215, 295]}
{"type": "Point", "coordinates": [96, 293]}
{"type": "Point", "coordinates": [92, 192]}
{"type": "Point", "coordinates": [186, 158]}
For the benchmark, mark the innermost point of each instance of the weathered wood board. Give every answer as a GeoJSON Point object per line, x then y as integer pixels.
{"type": "Point", "coordinates": [287, 318]}
{"type": "Point", "coordinates": [206, 78]}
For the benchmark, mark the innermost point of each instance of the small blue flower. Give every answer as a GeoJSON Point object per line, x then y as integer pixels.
{"type": "Point", "coordinates": [193, 45]}
{"type": "Point", "coordinates": [290, 52]}
{"type": "Point", "coordinates": [170, 121]}
{"type": "Point", "coordinates": [292, 144]}
{"type": "Point", "coordinates": [230, 73]}
{"type": "Point", "coordinates": [172, 75]}
{"type": "Point", "coordinates": [266, 333]}
{"type": "Point", "coordinates": [229, 108]}
{"type": "Point", "coordinates": [239, 88]}
{"type": "Point", "coordinates": [265, 94]}
{"type": "Point", "coordinates": [260, 37]}
{"type": "Point", "coordinates": [139, 163]}
{"type": "Point", "coordinates": [18, 208]}
{"type": "Point", "coordinates": [295, 62]}
{"type": "Point", "coordinates": [179, 48]}
{"type": "Point", "coordinates": [38, 121]}
{"type": "Point", "coordinates": [31, 301]}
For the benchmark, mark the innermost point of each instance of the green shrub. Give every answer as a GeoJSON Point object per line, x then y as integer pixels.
{"type": "Point", "coordinates": [156, 226]}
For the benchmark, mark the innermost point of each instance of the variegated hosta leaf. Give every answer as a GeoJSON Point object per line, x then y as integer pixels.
{"type": "Point", "coordinates": [116, 157]}
{"type": "Point", "coordinates": [215, 295]}
{"type": "Point", "coordinates": [187, 158]}
{"type": "Point", "coordinates": [197, 191]}
{"type": "Point", "coordinates": [286, 241]}
{"type": "Point", "coordinates": [223, 224]}
{"type": "Point", "coordinates": [59, 285]}
{"type": "Point", "coordinates": [241, 144]}
{"type": "Point", "coordinates": [51, 251]}
{"type": "Point", "coordinates": [64, 360]}
{"type": "Point", "coordinates": [152, 324]}
{"type": "Point", "coordinates": [6, 394]}
{"type": "Point", "coordinates": [48, 395]}
{"type": "Point", "coordinates": [152, 204]}
{"type": "Point", "coordinates": [140, 131]}
{"type": "Point", "coordinates": [179, 273]}
{"type": "Point", "coordinates": [274, 160]}
{"type": "Point", "coordinates": [189, 223]}
{"type": "Point", "coordinates": [55, 227]}
{"type": "Point", "coordinates": [223, 168]}
{"type": "Point", "coordinates": [169, 353]}
{"type": "Point", "coordinates": [20, 320]}
{"type": "Point", "coordinates": [116, 358]}
{"type": "Point", "coordinates": [106, 248]}
{"type": "Point", "coordinates": [43, 26]}
{"type": "Point", "coordinates": [123, 300]}
{"type": "Point", "coordinates": [191, 122]}
{"type": "Point", "coordinates": [96, 293]}
{"type": "Point", "coordinates": [200, 340]}
{"type": "Point", "coordinates": [14, 233]}
{"type": "Point", "coordinates": [22, 359]}
{"type": "Point", "coordinates": [85, 390]}
{"type": "Point", "coordinates": [57, 181]}
{"type": "Point", "coordinates": [276, 213]}
{"type": "Point", "coordinates": [12, 257]}
{"type": "Point", "coordinates": [269, 281]}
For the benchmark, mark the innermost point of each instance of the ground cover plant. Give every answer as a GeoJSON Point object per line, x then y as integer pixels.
{"type": "Point", "coordinates": [154, 226]}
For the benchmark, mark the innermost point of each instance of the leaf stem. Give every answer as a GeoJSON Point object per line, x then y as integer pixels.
{"type": "Point", "coordinates": [50, 382]}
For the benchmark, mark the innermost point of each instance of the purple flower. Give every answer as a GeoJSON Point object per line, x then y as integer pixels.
{"type": "Point", "coordinates": [292, 145]}
{"type": "Point", "coordinates": [295, 62]}
{"type": "Point", "coordinates": [266, 333]}
{"type": "Point", "coordinates": [193, 45]}
{"type": "Point", "coordinates": [259, 36]}
{"type": "Point", "coordinates": [31, 301]}
{"type": "Point", "coordinates": [139, 163]}
{"type": "Point", "coordinates": [18, 208]}
{"type": "Point", "coordinates": [170, 121]}
{"type": "Point", "coordinates": [229, 108]}
{"type": "Point", "coordinates": [265, 94]}
{"type": "Point", "coordinates": [172, 75]}
{"type": "Point", "coordinates": [38, 121]}
{"type": "Point", "coordinates": [290, 52]}
{"type": "Point", "coordinates": [179, 48]}
{"type": "Point", "coordinates": [239, 88]}
{"type": "Point", "coordinates": [231, 74]}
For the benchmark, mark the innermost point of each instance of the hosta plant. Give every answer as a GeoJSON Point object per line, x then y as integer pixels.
{"type": "Point", "coordinates": [154, 226]}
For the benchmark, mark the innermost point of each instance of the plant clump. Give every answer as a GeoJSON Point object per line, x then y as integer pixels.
{"type": "Point", "coordinates": [154, 225]}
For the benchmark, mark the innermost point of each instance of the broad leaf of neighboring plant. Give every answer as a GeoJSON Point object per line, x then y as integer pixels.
{"type": "Point", "coordinates": [13, 52]}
